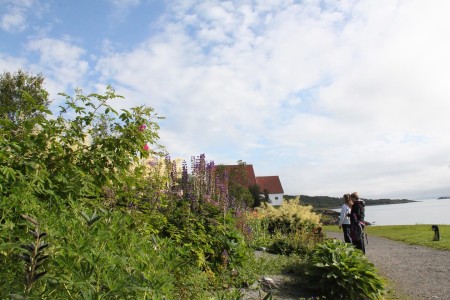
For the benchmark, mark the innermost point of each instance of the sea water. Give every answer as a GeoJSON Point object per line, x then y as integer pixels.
{"type": "Point", "coordinates": [429, 211]}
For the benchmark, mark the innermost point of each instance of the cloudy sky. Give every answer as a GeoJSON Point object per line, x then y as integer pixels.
{"type": "Point", "coordinates": [332, 96]}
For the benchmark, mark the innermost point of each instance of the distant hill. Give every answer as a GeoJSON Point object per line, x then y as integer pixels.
{"type": "Point", "coordinates": [326, 202]}
{"type": "Point", "coordinates": [444, 197]}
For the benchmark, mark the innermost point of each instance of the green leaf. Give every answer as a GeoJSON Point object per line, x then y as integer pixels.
{"type": "Point", "coordinates": [93, 220]}
{"type": "Point", "coordinates": [28, 247]}
{"type": "Point", "coordinates": [42, 246]}
{"type": "Point", "coordinates": [85, 216]}
{"type": "Point", "coordinates": [30, 219]}
{"type": "Point", "coordinates": [39, 275]}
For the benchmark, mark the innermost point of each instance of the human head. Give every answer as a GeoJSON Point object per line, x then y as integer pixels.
{"type": "Point", "coordinates": [347, 198]}
{"type": "Point", "coordinates": [354, 196]}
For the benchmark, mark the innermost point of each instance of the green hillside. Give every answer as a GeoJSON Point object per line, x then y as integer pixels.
{"type": "Point", "coordinates": [322, 202]}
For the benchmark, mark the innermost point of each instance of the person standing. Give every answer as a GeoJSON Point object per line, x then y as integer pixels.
{"type": "Point", "coordinates": [357, 222]}
{"type": "Point", "coordinates": [344, 218]}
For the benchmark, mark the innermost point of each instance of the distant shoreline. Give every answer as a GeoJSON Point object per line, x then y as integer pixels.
{"type": "Point", "coordinates": [326, 202]}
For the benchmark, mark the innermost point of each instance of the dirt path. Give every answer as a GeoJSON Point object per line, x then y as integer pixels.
{"type": "Point", "coordinates": [417, 272]}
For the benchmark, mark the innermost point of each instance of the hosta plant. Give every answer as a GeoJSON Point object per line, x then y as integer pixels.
{"type": "Point", "coordinates": [340, 271]}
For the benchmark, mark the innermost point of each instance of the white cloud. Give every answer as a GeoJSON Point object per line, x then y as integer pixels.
{"type": "Point", "coordinates": [332, 96]}
{"type": "Point", "coordinates": [61, 63]}
{"type": "Point", "coordinates": [11, 64]}
{"type": "Point", "coordinates": [13, 18]}
{"type": "Point", "coordinates": [13, 21]}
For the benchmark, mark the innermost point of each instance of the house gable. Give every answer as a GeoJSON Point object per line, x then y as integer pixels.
{"type": "Point", "coordinates": [240, 174]}
{"type": "Point", "coordinates": [272, 185]}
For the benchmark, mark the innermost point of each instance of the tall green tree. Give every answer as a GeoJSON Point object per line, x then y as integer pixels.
{"type": "Point", "coordinates": [21, 95]}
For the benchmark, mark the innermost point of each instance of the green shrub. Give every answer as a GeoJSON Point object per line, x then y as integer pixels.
{"type": "Point", "coordinates": [258, 235]}
{"type": "Point", "coordinates": [340, 271]}
{"type": "Point", "coordinates": [288, 229]}
{"type": "Point", "coordinates": [298, 242]}
{"type": "Point", "coordinates": [290, 216]}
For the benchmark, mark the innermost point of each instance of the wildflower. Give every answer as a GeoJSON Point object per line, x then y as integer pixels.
{"type": "Point", "coordinates": [146, 147]}
{"type": "Point", "coordinates": [142, 127]}
{"type": "Point", "coordinates": [153, 162]}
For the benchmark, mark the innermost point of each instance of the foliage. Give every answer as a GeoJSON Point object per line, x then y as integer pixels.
{"type": "Point", "coordinates": [256, 194]}
{"type": "Point", "coordinates": [259, 235]}
{"type": "Point", "coordinates": [22, 96]}
{"type": "Point", "coordinates": [288, 229]}
{"type": "Point", "coordinates": [236, 178]}
{"type": "Point", "coordinates": [112, 257]}
{"type": "Point", "coordinates": [34, 257]}
{"type": "Point", "coordinates": [297, 242]}
{"type": "Point", "coordinates": [290, 216]}
{"type": "Point", "coordinates": [86, 148]}
{"type": "Point", "coordinates": [342, 272]}
{"type": "Point", "coordinates": [203, 217]}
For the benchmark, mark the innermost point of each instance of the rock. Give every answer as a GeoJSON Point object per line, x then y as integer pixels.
{"type": "Point", "coordinates": [269, 282]}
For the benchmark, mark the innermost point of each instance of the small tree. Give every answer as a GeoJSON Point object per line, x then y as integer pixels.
{"type": "Point", "coordinates": [266, 196]}
{"type": "Point", "coordinates": [256, 194]}
{"type": "Point", "coordinates": [20, 95]}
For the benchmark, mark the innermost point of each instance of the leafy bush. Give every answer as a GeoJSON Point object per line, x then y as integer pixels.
{"type": "Point", "coordinates": [258, 235]}
{"type": "Point", "coordinates": [297, 242]}
{"type": "Point", "coordinates": [340, 271]}
{"type": "Point", "coordinates": [290, 216]}
{"type": "Point", "coordinates": [288, 229]}
{"type": "Point", "coordinates": [86, 148]}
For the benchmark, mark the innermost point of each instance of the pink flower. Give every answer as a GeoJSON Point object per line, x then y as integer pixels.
{"type": "Point", "coordinates": [142, 127]}
{"type": "Point", "coordinates": [146, 147]}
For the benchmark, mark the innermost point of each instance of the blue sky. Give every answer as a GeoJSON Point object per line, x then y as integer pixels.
{"type": "Point", "coordinates": [332, 96]}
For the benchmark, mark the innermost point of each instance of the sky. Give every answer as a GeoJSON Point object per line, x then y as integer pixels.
{"type": "Point", "coordinates": [331, 96]}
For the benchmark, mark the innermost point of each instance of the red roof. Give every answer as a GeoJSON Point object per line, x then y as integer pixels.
{"type": "Point", "coordinates": [234, 169]}
{"type": "Point", "coordinates": [270, 183]}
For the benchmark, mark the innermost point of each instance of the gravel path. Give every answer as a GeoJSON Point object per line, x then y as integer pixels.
{"type": "Point", "coordinates": [416, 272]}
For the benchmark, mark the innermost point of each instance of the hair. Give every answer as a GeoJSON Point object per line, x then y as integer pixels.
{"type": "Point", "coordinates": [354, 195]}
{"type": "Point", "coordinates": [347, 198]}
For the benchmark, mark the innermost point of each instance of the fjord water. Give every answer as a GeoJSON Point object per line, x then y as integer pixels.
{"type": "Point", "coordinates": [430, 211]}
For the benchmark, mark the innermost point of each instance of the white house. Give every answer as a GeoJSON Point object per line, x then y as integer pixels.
{"type": "Point", "coordinates": [271, 185]}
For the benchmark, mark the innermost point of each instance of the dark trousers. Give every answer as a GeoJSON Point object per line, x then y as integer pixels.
{"type": "Point", "coordinates": [346, 231]}
{"type": "Point", "coordinates": [358, 236]}
{"type": "Point", "coordinates": [360, 245]}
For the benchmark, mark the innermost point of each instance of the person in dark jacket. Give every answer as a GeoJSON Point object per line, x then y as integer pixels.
{"type": "Point", "coordinates": [357, 222]}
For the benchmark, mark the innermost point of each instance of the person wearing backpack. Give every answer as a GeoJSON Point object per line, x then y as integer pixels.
{"type": "Point", "coordinates": [344, 218]}
{"type": "Point", "coordinates": [357, 222]}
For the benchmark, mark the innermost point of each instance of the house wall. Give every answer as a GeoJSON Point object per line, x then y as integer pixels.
{"type": "Point", "coordinates": [275, 199]}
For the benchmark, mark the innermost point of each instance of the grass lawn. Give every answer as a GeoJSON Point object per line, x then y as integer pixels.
{"type": "Point", "coordinates": [409, 234]}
